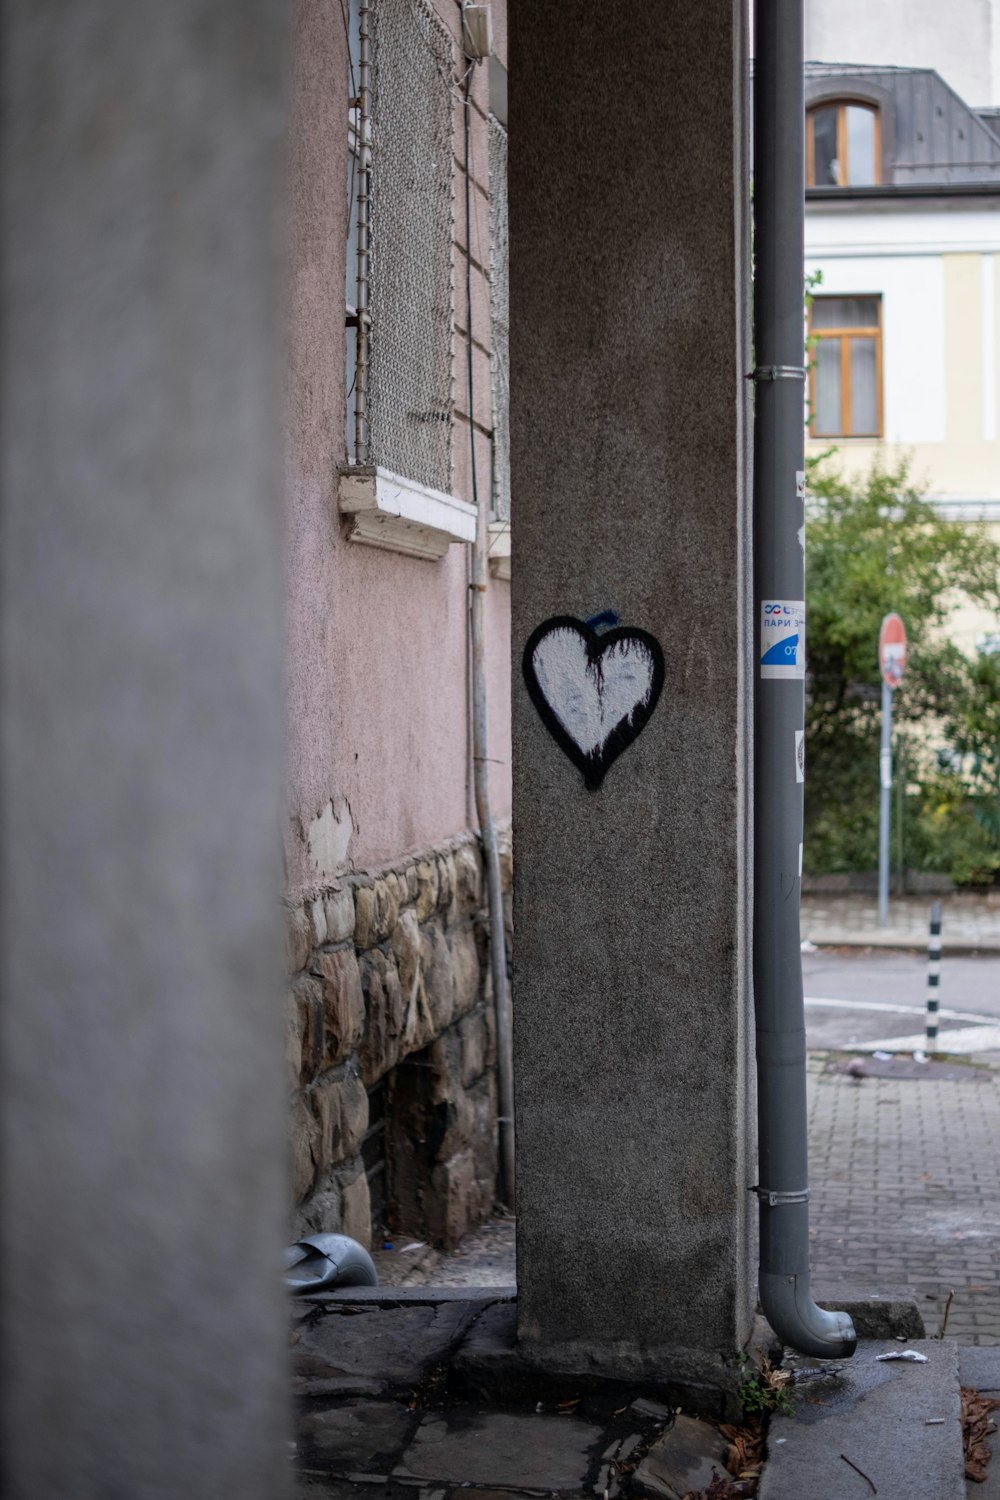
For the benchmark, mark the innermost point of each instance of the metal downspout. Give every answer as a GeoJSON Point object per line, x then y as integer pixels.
{"type": "Point", "coordinates": [779, 696]}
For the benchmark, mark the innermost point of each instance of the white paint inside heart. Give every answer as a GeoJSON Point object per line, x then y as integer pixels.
{"type": "Point", "coordinates": [591, 698]}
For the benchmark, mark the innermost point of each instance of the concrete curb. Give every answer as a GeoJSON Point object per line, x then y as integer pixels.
{"type": "Point", "coordinates": [899, 943]}
{"type": "Point", "coordinates": [407, 1296]}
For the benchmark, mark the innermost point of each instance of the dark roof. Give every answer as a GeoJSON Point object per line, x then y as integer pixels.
{"type": "Point", "coordinates": [930, 137]}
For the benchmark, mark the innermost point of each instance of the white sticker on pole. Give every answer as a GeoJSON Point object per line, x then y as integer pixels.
{"type": "Point", "coordinates": [800, 755]}
{"type": "Point", "coordinates": [800, 485]}
{"type": "Point", "coordinates": [782, 638]}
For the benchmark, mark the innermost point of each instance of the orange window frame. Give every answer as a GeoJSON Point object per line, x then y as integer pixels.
{"type": "Point", "coordinates": [841, 106]}
{"type": "Point", "coordinates": [845, 335]}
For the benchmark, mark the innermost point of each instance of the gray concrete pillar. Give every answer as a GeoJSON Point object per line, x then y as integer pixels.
{"type": "Point", "coordinates": [142, 1176]}
{"type": "Point", "coordinates": [629, 267]}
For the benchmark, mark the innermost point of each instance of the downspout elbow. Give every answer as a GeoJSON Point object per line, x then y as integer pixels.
{"type": "Point", "coordinates": [788, 1306]}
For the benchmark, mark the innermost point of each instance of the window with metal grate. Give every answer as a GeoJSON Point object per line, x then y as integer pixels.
{"type": "Point", "coordinates": [499, 319]}
{"type": "Point", "coordinates": [401, 223]}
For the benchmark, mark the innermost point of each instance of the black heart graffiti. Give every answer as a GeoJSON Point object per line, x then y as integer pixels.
{"type": "Point", "coordinates": [594, 693]}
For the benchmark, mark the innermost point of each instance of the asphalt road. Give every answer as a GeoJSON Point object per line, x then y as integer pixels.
{"type": "Point", "coordinates": [858, 998]}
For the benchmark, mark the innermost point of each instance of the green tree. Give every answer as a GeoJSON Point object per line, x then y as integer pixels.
{"type": "Point", "coordinates": [973, 730]}
{"type": "Point", "coordinates": [965, 795]}
{"type": "Point", "coordinates": [876, 545]}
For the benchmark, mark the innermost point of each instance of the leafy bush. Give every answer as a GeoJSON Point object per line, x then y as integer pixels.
{"type": "Point", "coordinates": [873, 546]}
{"type": "Point", "coordinates": [955, 832]}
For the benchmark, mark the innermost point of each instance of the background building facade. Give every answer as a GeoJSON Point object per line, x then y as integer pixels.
{"type": "Point", "coordinates": [903, 245]}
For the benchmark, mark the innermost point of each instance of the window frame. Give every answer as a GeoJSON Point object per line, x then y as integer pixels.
{"type": "Point", "coordinates": [842, 106]}
{"type": "Point", "coordinates": [845, 335]}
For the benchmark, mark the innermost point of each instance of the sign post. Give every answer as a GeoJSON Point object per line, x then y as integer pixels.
{"type": "Point", "coordinates": [892, 664]}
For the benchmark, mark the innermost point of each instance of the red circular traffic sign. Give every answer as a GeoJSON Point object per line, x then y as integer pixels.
{"type": "Point", "coordinates": [892, 650]}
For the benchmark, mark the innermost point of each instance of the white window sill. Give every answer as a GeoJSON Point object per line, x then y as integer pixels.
{"type": "Point", "coordinates": [499, 553]}
{"type": "Point", "coordinates": [386, 510]}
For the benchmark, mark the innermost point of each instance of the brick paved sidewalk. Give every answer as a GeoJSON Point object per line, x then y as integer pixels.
{"type": "Point", "coordinates": [970, 923]}
{"type": "Point", "coordinates": [906, 1193]}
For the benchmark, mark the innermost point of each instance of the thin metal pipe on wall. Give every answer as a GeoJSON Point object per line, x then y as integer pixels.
{"type": "Point", "coordinates": [364, 179]}
{"type": "Point", "coordinates": [480, 750]}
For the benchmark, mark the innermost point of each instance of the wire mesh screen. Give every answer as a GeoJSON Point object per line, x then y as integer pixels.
{"type": "Point", "coordinates": [499, 320]}
{"type": "Point", "coordinates": [410, 242]}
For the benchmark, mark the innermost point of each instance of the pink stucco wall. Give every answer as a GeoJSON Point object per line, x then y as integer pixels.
{"type": "Point", "coordinates": [378, 731]}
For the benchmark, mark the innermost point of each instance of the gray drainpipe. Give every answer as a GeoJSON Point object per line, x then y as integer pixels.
{"type": "Point", "coordinates": [779, 575]}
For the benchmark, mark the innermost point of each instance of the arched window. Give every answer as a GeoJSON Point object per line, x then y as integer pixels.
{"type": "Point", "coordinates": [842, 145]}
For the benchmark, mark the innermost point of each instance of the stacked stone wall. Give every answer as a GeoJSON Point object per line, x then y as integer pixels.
{"type": "Point", "coordinates": [389, 979]}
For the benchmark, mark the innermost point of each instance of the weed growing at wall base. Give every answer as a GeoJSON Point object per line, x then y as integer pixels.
{"type": "Point", "coordinates": [763, 1391]}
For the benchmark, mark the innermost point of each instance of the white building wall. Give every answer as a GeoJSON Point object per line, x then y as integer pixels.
{"type": "Point", "coordinates": [988, 353]}
{"type": "Point", "coordinates": [910, 256]}
{"type": "Point", "coordinates": [913, 342]}
{"type": "Point", "coordinates": [891, 231]}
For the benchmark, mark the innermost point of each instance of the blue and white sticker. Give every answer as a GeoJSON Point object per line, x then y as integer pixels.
{"type": "Point", "coordinates": [782, 638]}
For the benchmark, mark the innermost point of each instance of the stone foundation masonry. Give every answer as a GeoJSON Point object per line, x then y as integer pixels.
{"type": "Point", "coordinates": [389, 979]}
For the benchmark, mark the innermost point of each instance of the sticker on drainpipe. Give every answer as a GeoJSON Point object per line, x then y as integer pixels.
{"type": "Point", "coordinates": [782, 638]}
{"type": "Point", "coordinates": [800, 861]}
{"type": "Point", "coordinates": [800, 755]}
{"type": "Point", "coordinates": [800, 485]}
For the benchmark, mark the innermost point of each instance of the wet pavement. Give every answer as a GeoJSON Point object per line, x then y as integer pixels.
{"type": "Point", "coordinates": [394, 1397]}
{"type": "Point", "coordinates": [398, 1399]}
{"type": "Point", "coordinates": [872, 1425]}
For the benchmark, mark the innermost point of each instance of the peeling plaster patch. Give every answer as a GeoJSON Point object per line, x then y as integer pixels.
{"type": "Point", "coordinates": [329, 839]}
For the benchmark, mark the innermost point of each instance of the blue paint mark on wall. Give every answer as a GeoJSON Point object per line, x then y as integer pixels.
{"type": "Point", "coordinates": [606, 620]}
{"type": "Point", "coordinates": [782, 653]}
